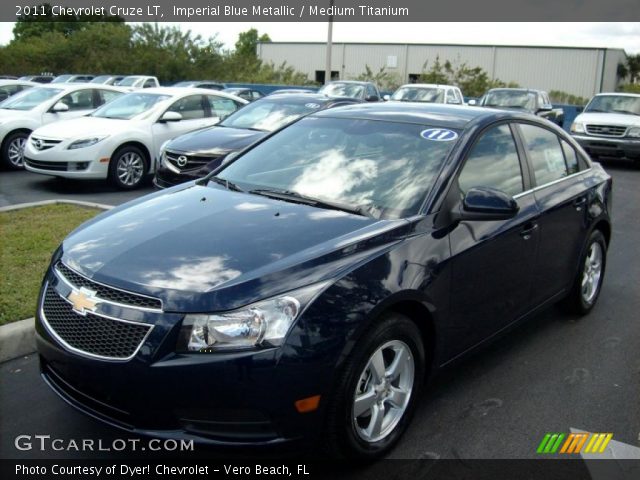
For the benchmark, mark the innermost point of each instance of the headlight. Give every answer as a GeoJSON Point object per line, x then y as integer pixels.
{"type": "Point", "coordinates": [85, 142]}
{"type": "Point", "coordinates": [264, 323]}
{"type": "Point", "coordinates": [577, 127]}
{"type": "Point", "coordinates": [634, 132]}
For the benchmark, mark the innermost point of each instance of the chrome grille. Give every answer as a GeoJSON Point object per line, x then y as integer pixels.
{"type": "Point", "coordinates": [91, 334]}
{"type": "Point", "coordinates": [606, 130]}
{"type": "Point", "coordinates": [40, 143]}
{"type": "Point", "coordinates": [109, 294]}
{"type": "Point", "coordinates": [185, 162]}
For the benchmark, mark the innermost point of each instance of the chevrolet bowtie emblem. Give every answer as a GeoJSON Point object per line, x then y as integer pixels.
{"type": "Point", "coordinates": [83, 301]}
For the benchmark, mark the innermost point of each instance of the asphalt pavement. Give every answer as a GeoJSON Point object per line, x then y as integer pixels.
{"type": "Point", "coordinates": [553, 374]}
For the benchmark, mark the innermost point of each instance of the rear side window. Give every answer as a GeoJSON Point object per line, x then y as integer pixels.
{"type": "Point", "coordinates": [545, 153]}
{"type": "Point", "coordinates": [493, 162]}
{"type": "Point", "coordinates": [221, 107]}
{"type": "Point", "coordinates": [570, 157]}
{"type": "Point", "coordinates": [105, 96]}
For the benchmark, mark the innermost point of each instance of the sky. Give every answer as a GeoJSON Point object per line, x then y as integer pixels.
{"type": "Point", "coordinates": [609, 35]}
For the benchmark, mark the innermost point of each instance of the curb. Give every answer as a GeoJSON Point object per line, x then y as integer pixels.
{"type": "Point", "coordinates": [18, 338]}
{"type": "Point", "coordinates": [19, 206]}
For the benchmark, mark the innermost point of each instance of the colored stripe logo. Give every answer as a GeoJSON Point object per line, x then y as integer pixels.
{"type": "Point", "coordinates": [574, 443]}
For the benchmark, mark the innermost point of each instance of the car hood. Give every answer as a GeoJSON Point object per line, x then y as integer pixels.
{"type": "Point", "coordinates": [83, 127]}
{"type": "Point", "coordinates": [215, 138]}
{"type": "Point", "coordinates": [6, 113]}
{"type": "Point", "coordinates": [596, 118]}
{"type": "Point", "coordinates": [204, 248]}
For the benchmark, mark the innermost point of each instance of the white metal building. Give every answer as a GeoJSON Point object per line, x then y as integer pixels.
{"type": "Point", "coordinates": [575, 70]}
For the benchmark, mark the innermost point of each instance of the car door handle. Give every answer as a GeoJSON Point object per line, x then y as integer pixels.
{"type": "Point", "coordinates": [579, 203]}
{"type": "Point", "coordinates": [528, 230]}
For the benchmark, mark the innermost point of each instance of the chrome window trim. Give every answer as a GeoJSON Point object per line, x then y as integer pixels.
{"type": "Point", "coordinates": [55, 335]}
{"type": "Point", "coordinates": [548, 184]}
{"type": "Point", "coordinates": [61, 276]}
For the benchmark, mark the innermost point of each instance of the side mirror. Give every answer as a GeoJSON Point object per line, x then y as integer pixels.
{"type": "Point", "coordinates": [483, 203]}
{"type": "Point", "coordinates": [387, 98]}
{"type": "Point", "coordinates": [545, 108]}
{"type": "Point", "coordinates": [372, 98]}
{"type": "Point", "coordinates": [170, 117]}
{"type": "Point", "coordinates": [60, 107]}
{"type": "Point", "coordinates": [472, 103]}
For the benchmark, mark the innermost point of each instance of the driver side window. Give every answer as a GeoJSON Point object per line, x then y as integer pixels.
{"type": "Point", "coordinates": [189, 107]}
{"type": "Point", "coordinates": [79, 100]}
{"type": "Point", "coordinates": [493, 162]}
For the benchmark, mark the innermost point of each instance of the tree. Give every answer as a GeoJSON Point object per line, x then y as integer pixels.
{"type": "Point", "coordinates": [247, 44]}
{"type": "Point", "coordinates": [384, 79]}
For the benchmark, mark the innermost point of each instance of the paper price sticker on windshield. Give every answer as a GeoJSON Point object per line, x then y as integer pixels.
{"type": "Point", "coordinates": [439, 134]}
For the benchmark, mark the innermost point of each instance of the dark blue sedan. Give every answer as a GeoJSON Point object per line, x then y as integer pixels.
{"type": "Point", "coordinates": [306, 290]}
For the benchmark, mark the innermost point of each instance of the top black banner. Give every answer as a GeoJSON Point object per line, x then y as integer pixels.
{"type": "Point", "coordinates": [324, 10]}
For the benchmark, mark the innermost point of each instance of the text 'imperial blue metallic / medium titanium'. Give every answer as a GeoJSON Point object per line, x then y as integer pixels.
{"type": "Point", "coordinates": [306, 289]}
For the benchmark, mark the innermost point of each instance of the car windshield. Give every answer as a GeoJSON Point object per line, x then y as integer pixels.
{"type": "Point", "coordinates": [614, 104]}
{"type": "Point", "coordinates": [128, 81]}
{"type": "Point", "coordinates": [350, 90]}
{"type": "Point", "coordinates": [129, 105]}
{"type": "Point", "coordinates": [101, 79]}
{"type": "Point", "coordinates": [510, 98]}
{"type": "Point", "coordinates": [268, 115]}
{"type": "Point", "coordinates": [29, 99]}
{"type": "Point", "coordinates": [184, 84]}
{"type": "Point", "coordinates": [381, 167]}
{"type": "Point", "coordinates": [419, 94]}
{"type": "Point", "coordinates": [61, 79]}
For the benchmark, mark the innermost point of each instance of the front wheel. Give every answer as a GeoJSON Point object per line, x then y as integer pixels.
{"type": "Point", "coordinates": [376, 394]}
{"type": "Point", "coordinates": [128, 167]}
{"type": "Point", "coordinates": [13, 150]}
{"type": "Point", "coordinates": [588, 282]}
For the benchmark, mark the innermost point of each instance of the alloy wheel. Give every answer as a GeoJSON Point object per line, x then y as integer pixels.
{"type": "Point", "coordinates": [15, 152]}
{"type": "Point", "coordinates": [591, 273]}
{"type": "Point", "coordinates": [130, 168]}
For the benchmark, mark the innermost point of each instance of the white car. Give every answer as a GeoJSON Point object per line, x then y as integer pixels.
{"type": "Point", "coordinates": [133, 82]}
{"type": "Point", "coordinates": [121, 141]}
{"type": "Point", "coordinates": [25, 111]}
{"type": "Point", "coordinates": [11, 87]}
{"type": "Point", "coordinates": [428, 93]}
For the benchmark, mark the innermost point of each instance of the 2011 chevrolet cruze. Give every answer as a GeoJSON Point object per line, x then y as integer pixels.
{"type": "Point", "coordinates": [306, 289]}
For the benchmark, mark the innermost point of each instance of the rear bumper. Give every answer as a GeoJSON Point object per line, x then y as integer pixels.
{"type": "Point", "coordinates": [610, 147]}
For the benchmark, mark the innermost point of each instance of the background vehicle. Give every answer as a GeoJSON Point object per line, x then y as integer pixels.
{"type": "Point", "coordinates": [194, 155]}
{"type": "Point", "coordinates": [210, 84]}
{"type": "Point", "coordinates": [528, 100]}
{"type": "Point", "coordinates": [37, 78]}
{"type": "Point", "coordinates": [121, 140]}
{"type": "Point", "coordinates": [72, 78]}
{"type": "Point", "coordinates": [24, 112]}
{"type": "Point", "coordinates": [428, 93]}
{"type": "Point", "coordinates": [363, 91]}
{"type": "Point", "coordinates": [138, 81]}
{"type": "Point", "coordinates": [335, 264]}
{"type": "Point", "coordinates": [107, 79]}
{"type": "Point", "coordinates": [11, 87]}
{"type": "Point", "coordinates": [249, 94]}
{"type": "Point", "coordinates": [292, 90]}
{"type": "Point", "coordinates": [609, 126]}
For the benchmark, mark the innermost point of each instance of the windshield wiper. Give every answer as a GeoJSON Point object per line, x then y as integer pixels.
{"type": "Point", "coordinates": [225, 183]}
{"type": "Point", "coordinates": [295, 197]}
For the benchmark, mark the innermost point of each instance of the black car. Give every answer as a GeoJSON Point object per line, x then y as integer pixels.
{"type": "Point", "coordinates": [249, 94]}
{"type": "Point", "coordinates": [195, 154]}
{"type": "Point", "coordinates": [361, 91]}
{"type": "Point", "coordinates": [306, 289]}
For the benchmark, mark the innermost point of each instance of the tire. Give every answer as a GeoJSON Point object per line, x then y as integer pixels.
{"type": "Point", "coordinates": [13, 150]}
{"type": "Point", "coordinates": [128, 167]}
{"type": "Point", "coordinates": [588, 282]}
{"type": "Point", "coordinates": [351, 429]}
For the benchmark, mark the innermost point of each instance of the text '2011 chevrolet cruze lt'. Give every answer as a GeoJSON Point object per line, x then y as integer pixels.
{"type": "Point", "coordinates": [305, 289]}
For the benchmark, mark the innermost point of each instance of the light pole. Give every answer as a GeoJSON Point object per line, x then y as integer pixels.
{"type": "Point", "coordinates": [327, 66]}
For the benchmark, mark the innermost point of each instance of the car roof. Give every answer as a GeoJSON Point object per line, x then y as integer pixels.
{"type": "Point", "coordinates": [7, 81]}
{"type": "Point", "coordinates": [355, 82]}
{"type": "Point", "coordinates": [74, 86]}
{"type": "Point", "coordinates": [451, 116]}
{"type": "Point", "coordinates": [428, 85]}
{"type": "Point", "coordinates": [310, 97]}
{"type": "Point", "coordinates": [184, 91]}
{"type": "Point", "coordinates": [622, 94]}
{"type": "Point", "coordinates": [505, 89]}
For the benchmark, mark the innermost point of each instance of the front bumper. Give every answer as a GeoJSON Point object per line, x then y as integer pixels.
{"type": "Point", "coordinates": [610, 147]}
{"type": "Point", "coordinates": [79, 163]}
{"type": "Point", "coordinates": [233, 399]}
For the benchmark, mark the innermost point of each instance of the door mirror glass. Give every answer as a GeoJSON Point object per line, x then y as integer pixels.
{"type": "Point", "coordinates": [170, 117]}
{"type": "Point", "coordinates": [484, 203]}
{"type": "Point", "coordinates": [60, 107]}
{"type": "Point", "coordinates": [372, 98]}
{"type": "Point", "coordinates": [472, 103]}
